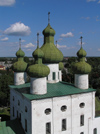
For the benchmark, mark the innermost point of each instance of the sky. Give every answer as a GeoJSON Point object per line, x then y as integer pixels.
{"type": "Point", "coordinates": [71, 19]}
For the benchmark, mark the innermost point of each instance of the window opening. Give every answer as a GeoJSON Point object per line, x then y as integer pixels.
{"type": "Point", "coordinates": [63, 124]}
{"type": "Point", "coordinates": [81, 120]}
{"type": "Point", "coordinates": [18, 103]}
{"type": "Point", "coordinates": [54, 76]}
{"type": "Point", "coordinates": [63, 108]}
{"type": "Point", "coordinates": [25, 109]}
{"type": "Point", "coordinates": [82, 105]}
{"type": "Point", "coordinates": [48, 111]}
{"type": "Point", "coordinates": [20, 117]}
{"type": "Point", "coordinates": [25, 125]}
{"type": "Point", "coordinates": [95, 131]}
{"type": "Point", "coordinates": [48, 128]}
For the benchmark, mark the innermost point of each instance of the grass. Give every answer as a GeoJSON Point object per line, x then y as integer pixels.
{"type": "Point", "coordinates": [97, 106]}
{"type": "Point", "coordinates": [5, 114]}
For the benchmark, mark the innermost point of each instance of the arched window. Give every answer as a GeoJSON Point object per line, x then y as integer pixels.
{"type": "Point", "coordinates": [48, 111]}
{"type": "Point", "coordinates": [18, 103]}
{"type": "Point", "coordinates": [95, 131]}
{"type": "Point", "coordinates": [53, 75]}
{"type": "Point", "coordinates": [25, 109]}
{"type": "Point", "coordinates": [82, 105]}
{"type": "Point", "coordinates": [63, 108]}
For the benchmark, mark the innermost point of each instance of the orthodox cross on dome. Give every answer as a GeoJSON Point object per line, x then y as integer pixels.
{"type": "Point", "coordinates": [81, 40]}
{"type": "Point", "coordinates": [37, 40]}
{"type": "Point", "coordinates": [48, 17]}
{"type": "Point", "coordinates": [19, 42]}
{"type": "Point", "coordinates": [56, 43]}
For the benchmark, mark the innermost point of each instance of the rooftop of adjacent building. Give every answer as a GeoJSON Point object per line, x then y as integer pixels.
{"type": "Point", "coordinates": [11, 127]}
{"type": "Point", "coordinates": [53, 90]}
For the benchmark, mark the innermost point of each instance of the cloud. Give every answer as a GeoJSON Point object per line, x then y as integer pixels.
{"type": "Point", "coordinates": [2, 36]}
{"type": "Point", "coordinates": [22, 40]}
{"type": "Point", "coordinates": [90, 0]}
{"type": "Point", "coordinates": [80, 32]}
{"type": "Point", "coordinates": [59, 39]}
{"type": "Point", "coordinates": [70, 34]}
{"type": "Point", "coordinates": [97, 18]}
{"type": "Point", "coordinates": [86, 18]}
{"type": "Point", "coordinates": [61, 46]}
{"type": "Point", "coordinates": [79, 43]}
{"type": "Point", "coordinates": [7, 2]}
{"type": "Point", "coordinates": [99, 2]}
{"type": "Point", "coordinates": [29, 45]}
{"type": "Point", "coordinates": [98, 49]}
{"type": "Point", "coordinates": [29, 50]}
{"type": "Point", "coordinates": [18, 29]}
{"type": "Point", "coordinates": [64, 46]}
{"type": "Point", "coordinates": [4, 39]}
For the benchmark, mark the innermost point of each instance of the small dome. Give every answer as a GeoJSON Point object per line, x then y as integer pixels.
{"type": "Point", "coordinates": [81, 67]}
{"type": "Point", "coordinates": [38, 53]}
{"type": "Point", "coordinates": [49, 31]}
{"type": "Point", "coordinates": [20, 66]}
{"type": "Point", "coordinates": [81, 53]}
{"type": "Point", "coordinates": [38, 70]}
{"type": "Point", "coordinates": [20, 53]}
{"type": "Point", "coordinates": [61, 65]}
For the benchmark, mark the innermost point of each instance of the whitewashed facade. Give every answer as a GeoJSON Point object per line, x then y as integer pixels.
{"type": "Point", "coordinates": [72, 114]}
{"type": "Point", "coordinates": [55, 74]}
{"type": "Point", "coordinates": [81, 81]}
{"type": "Point", "coordinates": [19, 78]}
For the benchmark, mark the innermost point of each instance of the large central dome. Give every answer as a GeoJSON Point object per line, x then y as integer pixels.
{"type": "Point", "coordinates": [51, 53]}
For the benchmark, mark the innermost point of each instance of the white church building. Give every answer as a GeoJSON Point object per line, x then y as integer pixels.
{"type": "Point", "coordinates": [47, 105]}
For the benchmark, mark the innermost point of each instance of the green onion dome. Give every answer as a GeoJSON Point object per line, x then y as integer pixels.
{"type": "Point", "coordinates": [20, 53]}
{"type": "Point", "coordinates": [81, 53]}
{"type": "Point", "coordinates": [20, 65]}
{"type": "Point", "coordinates": [49, 31]}
{"type": "Point", "coordinates": [38, 53]}
{"type": "Point", "coordinates": [81, 67]}
{"type": "Point", "coordinates": [61, 65]}
{"type": "Point", "coordinates": [38, 70]}
{"type": "Point", "coordinates": [51, 53]}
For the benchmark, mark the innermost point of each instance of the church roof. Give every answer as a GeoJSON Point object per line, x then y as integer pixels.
{"type": "Point", "coordinates": [53, 90]}
{"type": "Point", "coordinates": [11, 127]}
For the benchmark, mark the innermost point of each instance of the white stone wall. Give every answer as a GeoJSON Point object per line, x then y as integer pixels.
{"type": "Point", "coordinates": [37, 119]}
{"type": "Point", "coordinates": [60, 75]}
{"type": "Point", "coordinates": [72, 114]}
{"type": "Point", "coordinates": [19, 78]}
{"type": "Point", "coordinates": [38, 86]}
{"type": "Point", "coordinates": [81, 81]}
{"type": "Point", "coordinates": [53, 68]}
{"type": "Point", "coordinates": [21, 109]}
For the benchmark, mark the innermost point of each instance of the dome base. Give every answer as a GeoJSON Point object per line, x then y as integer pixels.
{"type": "Point", "coordinates": [81, 81]}
{"type": "Point", "coordinates": [38, 86]}
{"type": "Point", "coordinates": [19, 78]}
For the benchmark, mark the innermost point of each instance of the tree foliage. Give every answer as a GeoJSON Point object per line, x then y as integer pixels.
{"type": "Point", "coordinates": [6, 79]}
{"type": "Point", "coordinates": [94, 76]}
